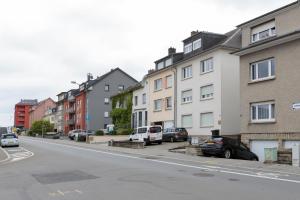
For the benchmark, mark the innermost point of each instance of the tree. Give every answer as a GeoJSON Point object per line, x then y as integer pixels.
{"type": "Point", "coordinates": [41, 126]}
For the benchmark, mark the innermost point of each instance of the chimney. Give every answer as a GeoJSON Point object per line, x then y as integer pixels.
{"type": "Point", "coordinates": [171, 50]}
{"type": "Point", "coordinates": [194, 33]}
{"type": "Point", "coordinates": [150, 71]}
{"type": "Point", "coordinates": [89, 77]}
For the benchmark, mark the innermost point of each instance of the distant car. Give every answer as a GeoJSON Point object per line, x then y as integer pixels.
{"type": "Point", "coordinates": [74, 133]}
{"type": "Point", "coordinates": [147, 134]}
{"type": "Point", "coordinates": [8, 140]}
{"type": "Point", "coordinates": [227, 148]}
{"type": "Point", "coordinates": [175, 134]}
{"type": "Point", "coordinates": [83, 134]}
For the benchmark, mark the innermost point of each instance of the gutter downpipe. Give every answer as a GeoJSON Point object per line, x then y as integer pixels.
{"type": "Point", "coordinates": [174, 70]}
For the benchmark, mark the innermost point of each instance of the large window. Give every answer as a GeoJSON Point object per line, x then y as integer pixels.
{"type": "Point", "coordinates": [262, 70]}
{"type": "Point", "coordinates": [206, 65]}
{"type": "Point", "coordinates": [106, 88]}
{"type": "Point", "coordinates": [121, 87]}
{"type": "Point", "coordinates": [169, 103]}
{"type": "Point", "coordinates": [135, 100]}
{"type": "Point", "coordinates": [146, 118]}
{"type": "Point", "coordinates": [263, 31]}
{"type": "Point", "coordinates": [106, 100]}
{"type": "Point", "coordinates": [140, 118]}
{"type": "Point", "coordinates": [157, 84]}
{"type": "Point", "coordinates": [106, 114]}
{"type": "Point", "coordinates": [187, 121]}
{"type": "Point", "coordinates": [188, 48]}
{"type": "Point", "coordinates": [144, 98]}
{"type": "Point", "coordinates": [168, 62]}
{"type": "Point", "coordinates": [169, 81]}
{"type": "Point", "coordinates": [197, 44]}
{"type": "Point", "coordinates": [157, 105]}
{"type": "Point", "coordinates": [160, 65]}
{"type": "Point", "coordinates": [263, 112]}
{"type": "Point", "coordinates": [207, 92]}
{"type": "Point", "coordinates": [186, 96]}
{"type": "Point", "coordinates": [187, 72]}
{"type": "Point", "coordinates": [206, 119]}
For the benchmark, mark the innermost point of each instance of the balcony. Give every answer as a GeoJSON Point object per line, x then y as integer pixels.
{"type": "Point", "coordinates": [71, 121]}
{"type": "Point", "coordinates": [71, 99]}
{"type": "Point", "coordinates": [71, 110]}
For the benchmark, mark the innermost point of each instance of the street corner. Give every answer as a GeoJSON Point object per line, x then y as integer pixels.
{"type": "Point", "coordinates": [13, 154]}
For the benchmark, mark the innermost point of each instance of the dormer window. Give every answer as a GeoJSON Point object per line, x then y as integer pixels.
{"type": "Point", "coordinates": [160, 65]}
{"type": "Point", "coordinates": [168, 62]}
{"type": "Point", "coordinates": [197, 44]}
{"type": "Point", "coordinates": [188, 48]}
{"type": "Point", "coordinates": [263, 31]}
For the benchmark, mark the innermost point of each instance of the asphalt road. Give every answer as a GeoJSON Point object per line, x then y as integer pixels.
{"type": "Point", "coordinates": [56, 171]}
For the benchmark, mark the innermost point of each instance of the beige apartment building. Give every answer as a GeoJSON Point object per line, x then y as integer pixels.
{"type": "Point", "coordinates": [269, 80]}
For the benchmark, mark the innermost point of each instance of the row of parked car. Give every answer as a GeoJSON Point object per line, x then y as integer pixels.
{"type": "Point", "coordinates": [80, 135]}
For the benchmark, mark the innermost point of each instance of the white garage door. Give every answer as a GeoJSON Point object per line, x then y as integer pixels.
{"type": "Point", "coordinates": [288, 144]}
{"type": "Point", "coordinates": [258, 147]}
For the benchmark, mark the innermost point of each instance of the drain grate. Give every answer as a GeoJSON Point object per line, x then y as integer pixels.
{"type": "Point", "coordinates": [60, 177]}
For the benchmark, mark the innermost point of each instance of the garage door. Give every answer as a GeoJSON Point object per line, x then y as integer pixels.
{"type": "Point", "coordinates": [258, 147]}
{"type": "Point", "coordinates": [288, 144]}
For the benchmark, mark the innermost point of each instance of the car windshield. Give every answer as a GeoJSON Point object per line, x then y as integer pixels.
{"type": "Point", "coordinates": [155, 129]}
{"type": "Point", "coordinates": [8, 136]}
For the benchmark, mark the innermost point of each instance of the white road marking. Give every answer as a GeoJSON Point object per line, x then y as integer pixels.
{"type": "Point", "coordinates": [19, 154]}
{"type": "Point", "coordinates": [222, 170]}
{"type": "Point", "coordinates": [63, 193]}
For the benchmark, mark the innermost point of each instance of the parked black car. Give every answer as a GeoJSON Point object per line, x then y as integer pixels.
{"type": "Point", "coordinates": [175, 134]}
{"type": "Point", "coordinates": [83, 134]}
{"type": "Point", "coordinates": [228, 148]}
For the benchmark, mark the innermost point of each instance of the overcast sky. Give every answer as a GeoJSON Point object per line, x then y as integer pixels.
{"type": "Point", "coordinates": [45, 44]}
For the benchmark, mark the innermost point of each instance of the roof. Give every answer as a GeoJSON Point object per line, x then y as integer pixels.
{"type": "Point", "coordinates": [61, 93]}
{"type": "Point", "coordinates": [271, 12]}
{"type": "Point", "coordinates": [30, 102]}
{"type": "Point", "coordinates": [129, 89]}
{"type": "Point", "coordinates": [95, 81]}
{"type": "Point", "coordinates": [200, 32]}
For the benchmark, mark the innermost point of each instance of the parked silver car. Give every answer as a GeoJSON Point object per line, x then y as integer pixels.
{"type": "Point", "coordinates": [9, 140]}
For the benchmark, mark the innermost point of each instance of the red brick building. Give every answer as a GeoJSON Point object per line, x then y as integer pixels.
{"type": "Point", "coordinates": [21, 116]}
{"type": "Point", "coordinates": [80, 99]}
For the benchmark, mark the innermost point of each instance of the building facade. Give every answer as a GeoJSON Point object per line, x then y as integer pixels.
{"type": "Point", "coordinates": [38, 111]}
{"type": "Point", "coordinates": [208, 84]}
{"type": "Point", "coordinates": [98, 105]}
{"type": "Point", "coordinates": [70, 110]}
{"type": "Point", "coordinates": [21, 115]}
{"type": "Point", "coordinates": [140, 104]}
{"type": "Point", "coordinates": [269, 74]}
{"type": "Point", "coordinates": [51, 116]}
{"type": "Point", "coordinates": [61, 97]}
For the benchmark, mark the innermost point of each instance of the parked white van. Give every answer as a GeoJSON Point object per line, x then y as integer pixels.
{"type": "Point", "coordinates": [147, 134]}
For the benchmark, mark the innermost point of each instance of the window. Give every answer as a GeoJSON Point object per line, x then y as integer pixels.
{"type": "Point", "coordinates": [206, 119]}
{"type": "Point", "coordinates": [157, 105]}
{"type": "Point", "coordinates": [157, 84]}
{"type": "Point", "coordinates": [207, 92]}
{"type": "Point", "coordinates": [206, 66]}
{"type": "Point", "coordinates": [197, 44]}
{"type": "Point", "coordinates": [121, 87]}
{"type": "Point", "coordinates": [140, 118]}
{"type": "Point", "coordinates": [106, 100]}
{"type": "Point", "coordinates": [106, 114]}
{"type": "Point", "coordinates": [187, 72]}
{"type": "Point", "coordinates": [187, 121]}
{"type": "Point", "coordinates": [186, 96]}
{"type": "Point", "coordinates": [144, 98]}
{"type": "Point", "coordinates": [188, 48]}
{"type": "Point", "coordinates": [106, 88]}
{"type": "Point", "coordinates": [263, 31]}
{"type": "Point", "coordinates": [146, 118]}
{"type": "Point", "coordinates": [168, 62]}
{"type": "Point", "coordinates": [263, 112]}
{"type": "Point", "coordinates": [262, 70]}
{"type": "Point", "coordinates": [135, 100]}
{"type": "Point", "coordinates": [169, 81]}
{"type": "Point", "coordinates": [160, 65]}
{"type": "Point", "coordinates": [169, 103]}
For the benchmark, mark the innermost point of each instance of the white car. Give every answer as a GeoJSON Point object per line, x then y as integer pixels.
{"type": "Point", "coordinates": [147, 134]}
{"type": "Point", "coordinates": [8, 140]}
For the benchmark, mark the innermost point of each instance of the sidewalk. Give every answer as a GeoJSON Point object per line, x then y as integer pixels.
{"type": "Point", "coordinates": [162, 151]}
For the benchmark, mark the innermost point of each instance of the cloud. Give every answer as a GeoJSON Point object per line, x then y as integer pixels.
{"type": "Point", "coordinates": [47, 43]}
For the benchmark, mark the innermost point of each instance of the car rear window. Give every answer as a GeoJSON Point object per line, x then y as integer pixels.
{"type": "Point", "coordinates": [8, 136]}
{"type": "Point", "coordinates": [155, 129]}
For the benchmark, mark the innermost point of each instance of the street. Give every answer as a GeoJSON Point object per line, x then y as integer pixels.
{"type": "Point", "coordinates": [50, 170]}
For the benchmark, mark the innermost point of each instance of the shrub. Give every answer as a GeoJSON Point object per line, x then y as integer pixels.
{"type": "Point", "coordinates": [123, 131]}
{"type": "Point", "coordinates": [39, 127]}
{"type": "Point", "coordinates": [99, 132]}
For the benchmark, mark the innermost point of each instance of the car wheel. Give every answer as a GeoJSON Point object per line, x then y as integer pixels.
{"type": "Point", "coordinates": [227, 154]}
{"type": "Point", "coordinates": [254, 159]}
{"type": "Point", "coordinates": [159, 142]}
{"type": "Point", "coordinates": [145, 142]}
{"type": "Point", "coordinates": [130, 140]}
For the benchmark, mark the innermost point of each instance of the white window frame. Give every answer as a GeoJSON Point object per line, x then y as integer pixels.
{"type": "Point", "coordinates": [189, 99]}
{"type": "Point", "coordinates": [188, 48]}
{"type": "Point", "coordinates": [155, 108]}
{"type": "Point", "coordinates": [207, 96]}
{"type": "Point", "coordinates": [167, 100]}
{"type": "Point", "coordinates": [106, 100]}
{"type": "Point", "coordinates": [187, 72]}
{"type": "Point", "coordinates": [269, 27]}
{"type": "Point", "coordinates": [255, 65]}
{"type": "Point", "coordinates": [155, 84]}
{"type": "Point", "coordinates": [160, 65]}
{"type": "Point", "coordinates": [169, 81]}
{"type": "Point", "coordinates": [208, 125]}
{"type": "Point", "coordinates": [136, 100]}
{"type": "Point", "coordinates": [197, 44]}
{"type": "Point", "coordinates": [256, 120]}
{"type": "Point", "coordinates": [106, 114]}
{"type": "Point", "coordinates": [106, 88]}
{"type": "Point", "coordinates": [204, 68]}
{"type": "Point", "coordinates": [144, 98]}
{"type": "Point", "coordinates": [168, 62]}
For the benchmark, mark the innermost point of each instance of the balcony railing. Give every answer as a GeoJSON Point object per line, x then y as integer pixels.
{"type": "Point", "coordinates": [71, 121]}
{"type": "Point", "coordinates": [71, 110]}
{"type": "Point", "coordinates": [71, 98]}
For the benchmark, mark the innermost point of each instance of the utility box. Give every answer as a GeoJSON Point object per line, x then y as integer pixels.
{"type": "Point", "coordinates": [271, 154]}
{"type": "Point", "coordinates": [296, 155]}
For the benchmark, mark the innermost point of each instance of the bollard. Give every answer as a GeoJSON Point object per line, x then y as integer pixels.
{"type": "Point", "coordinates": [296, 155]}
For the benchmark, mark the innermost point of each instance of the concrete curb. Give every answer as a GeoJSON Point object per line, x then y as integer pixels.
{"type": "Point", "coordinates": [6, 154]}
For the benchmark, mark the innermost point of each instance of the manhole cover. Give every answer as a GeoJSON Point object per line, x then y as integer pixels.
{"type": "Point", "coordinates": [59, 177]}
{"type": "Point", "coordinates": [203, 174]}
